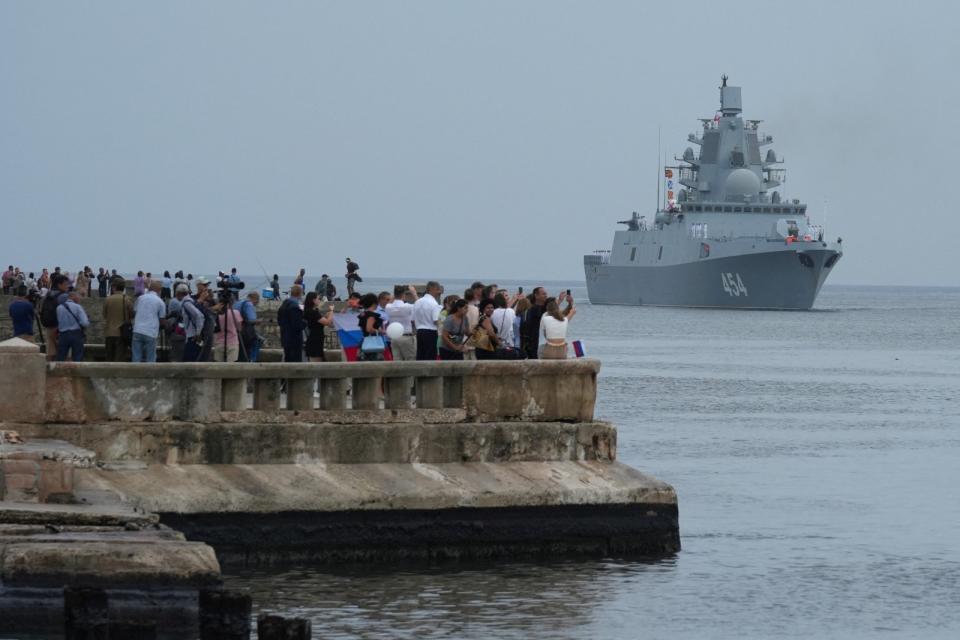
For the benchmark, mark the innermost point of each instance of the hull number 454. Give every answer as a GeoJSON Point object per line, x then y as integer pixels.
{"type": "Point", "coordinates": [733, 284]}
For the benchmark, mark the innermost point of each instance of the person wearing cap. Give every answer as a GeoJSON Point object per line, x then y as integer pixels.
{"type": "Point", "coordinates": [72, 322]}
{"type": "Point", "coordinates": [176, 334]}
{"type": "Point", "coordinates": [205, 303]}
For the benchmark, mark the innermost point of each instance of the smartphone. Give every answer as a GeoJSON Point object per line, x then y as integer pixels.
{"type": "Point", "coordinates": [519, 289]}
{"type": "Point", "coordinates": [568, 291]}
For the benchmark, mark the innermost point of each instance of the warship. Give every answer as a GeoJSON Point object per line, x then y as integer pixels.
{"type": "Point", "coordinates": [722, 236]}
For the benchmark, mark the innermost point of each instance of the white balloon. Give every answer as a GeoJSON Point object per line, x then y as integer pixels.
{"type": "Point", "coordinates": [394, 330]}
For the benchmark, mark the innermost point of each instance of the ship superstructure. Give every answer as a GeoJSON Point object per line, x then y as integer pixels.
{"type": "Point", "coordinates": [724, 236]}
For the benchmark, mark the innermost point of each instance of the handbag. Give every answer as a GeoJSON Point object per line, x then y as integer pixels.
{"type": "Point", "coordinates": [480, 339]}
{"type": "Point", "coordinates": [372, 344]}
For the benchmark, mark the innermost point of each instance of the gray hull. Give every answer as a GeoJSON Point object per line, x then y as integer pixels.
{"type": "Point", "coordinates": [778, 279]}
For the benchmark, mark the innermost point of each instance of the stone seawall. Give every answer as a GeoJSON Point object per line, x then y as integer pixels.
{"type": "Point", "coordinates": [332, 462]}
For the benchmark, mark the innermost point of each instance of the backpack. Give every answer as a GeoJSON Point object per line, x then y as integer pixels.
{"type": "Point", "coordinates": [331, 292]}
{"type": "Point", "coordinates": [48, 310]}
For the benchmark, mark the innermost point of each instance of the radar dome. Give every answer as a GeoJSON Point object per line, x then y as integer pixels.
{"type": "Point", "coordinates": [740, 183]}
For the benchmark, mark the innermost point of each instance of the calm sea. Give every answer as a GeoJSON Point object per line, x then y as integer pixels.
{"type": "Point", "coordinates": [817, 460]}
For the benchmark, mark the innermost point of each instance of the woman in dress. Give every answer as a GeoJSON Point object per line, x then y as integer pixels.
{"type": "Point", "coordinates": [316, 320]}
{"type": "Point", "coordinates": [81, 284]}
{"type": "Point", "coordinates": [555, 324]}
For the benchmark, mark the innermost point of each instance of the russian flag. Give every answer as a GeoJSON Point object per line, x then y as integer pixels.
{"type": "Point", "coordinates": [348, 331]}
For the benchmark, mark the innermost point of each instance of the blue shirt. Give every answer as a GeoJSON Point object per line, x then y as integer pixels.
{"type": "Point", "coordinates": [247, 310]}
{"type": "Point", "coordinates": [147, 313]}
{"type": "Point", "coordinates": [21, 312]}
{"type": "Point", "coordinates": [71, 316]}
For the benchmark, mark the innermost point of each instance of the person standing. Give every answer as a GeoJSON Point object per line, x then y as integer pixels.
{"type": "Point", "coordinates": [226, 341]}
{"type": "Point", "coordinates": [193, 321]}
{"type": "Point", "coordinates": [22, 315]}
{"type": "Point", "coordinates": [117, 312]}
{"type": "Point", "coordinates": [59, 284]}
{"type": "Point", "coordinates": [400, 311]}
{"type": "Point", "coordinates": [103, 281]}
{"type": "Point", "coordinates": [249, 337]}
{"type": "Point", "coordinates": [290, 321]}
{"type": "Point", "coordinates": [316, 320]}
{"type": "Point", "coordinates": [555, 324]}
{"type": "Point", "coordinates": [371, 324]}
{"type": "Point", "coordinates": [8, 280]}
{"type": "Point", "coordinates": [139, 285]}
{"type": "Point", "coordinates": [530, 325]}
{"type": "Point", "coordinates": [275, 286]}
{"type": "Point", "coordinates": [454, 332]}
{"type": "Point", "coordinates": [82, 284]}
{"type": "Point", "coordinates": [321, 289]}
{"type": "Point", "coordinates": [148, 315]}
{"type": "Point", "coordinates": [166, 286]}
{"type": "Point", "coordinates": [502, 319]}
{"type": "Point", "coordinates": [426, 315]}
{"type": "Point", "coordinates": [352, 275]}
{"type": "Point", "coordinates": [174, 328]}
{"type": "Point", "coordinates": [72, 322]}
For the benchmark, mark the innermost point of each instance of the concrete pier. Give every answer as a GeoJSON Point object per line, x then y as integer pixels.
{"type": "Point", "coordinates": [326, 462]}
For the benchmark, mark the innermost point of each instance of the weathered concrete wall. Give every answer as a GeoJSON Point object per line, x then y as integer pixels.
{"type": "Point", "coordinates": [23, 382]}
{"type": "Point", "coordinates": [363, 443]}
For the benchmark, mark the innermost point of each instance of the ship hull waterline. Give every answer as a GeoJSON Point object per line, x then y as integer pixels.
{"type": "Point", "coordinates": [767, 280]}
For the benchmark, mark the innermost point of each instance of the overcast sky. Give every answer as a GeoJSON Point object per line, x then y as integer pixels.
{"type": "Point", "coordinates": [482, 139]}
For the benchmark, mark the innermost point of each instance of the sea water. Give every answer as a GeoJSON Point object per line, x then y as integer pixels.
{"type": "Point", "coordinates": [816, 456]}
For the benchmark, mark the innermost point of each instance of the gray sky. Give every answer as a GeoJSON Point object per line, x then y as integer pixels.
{"type": "Point", "coordinates": [483, 139]}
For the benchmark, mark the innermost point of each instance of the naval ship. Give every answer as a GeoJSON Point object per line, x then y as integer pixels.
{"type": "Point", "coordinates": [724, 236]}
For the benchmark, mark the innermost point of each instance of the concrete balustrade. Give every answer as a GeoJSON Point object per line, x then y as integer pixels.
{"type": "Point", "coordinates": [217, 392]}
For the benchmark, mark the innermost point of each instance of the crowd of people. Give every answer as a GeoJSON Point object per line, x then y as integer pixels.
{"type": "Point", "coordinates": [203, 321]}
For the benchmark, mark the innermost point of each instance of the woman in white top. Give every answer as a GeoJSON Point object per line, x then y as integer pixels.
{"type": "Point", "coordinates": [555, 323]}
{"type": "Point", "coordinates": [503, 320]}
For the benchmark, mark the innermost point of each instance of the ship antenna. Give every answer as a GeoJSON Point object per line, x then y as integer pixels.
{"type": "Point", "coordinates": [658, 169]}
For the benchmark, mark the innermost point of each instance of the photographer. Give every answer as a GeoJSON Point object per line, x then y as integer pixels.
{"type": "Point", "coordinates": [226, 341]}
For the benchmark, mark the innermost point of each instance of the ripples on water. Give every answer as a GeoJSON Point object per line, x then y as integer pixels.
{"type": "Point", "coordinates": [816, 459]}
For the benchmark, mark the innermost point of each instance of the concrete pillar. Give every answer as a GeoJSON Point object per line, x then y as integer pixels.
{"type": "Point", "coordinates": [430, 392]}
{"type": "Point", "coordinates": [234, 394]}
{"type": "Point", "coordinates": [333, 394]}
{"type": "Point", "coordinates": [85, 614]}
{"type": "Point", "coordinates": [300, 393]}
{"type": "Point", "coordinates": [224, 615]}
{"type": "Point", "coordinates": [365, 393]}
{"type": "Point", "coordinates": [274, 627]}
{"type": "Point", "coordinates": [200, 399]}
{"type": "Point", "coordinates": [453, 392]}
{"type": "Point", "coordinates": [266, 394]}
{"type": "Point", "coordinates": [397, 392]}
{"type": "Point", "coordinates": [23, 381]}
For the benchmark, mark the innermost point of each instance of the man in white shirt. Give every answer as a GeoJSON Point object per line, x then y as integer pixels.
{"type": "Point", "coordinates": [401, 310]}
{"type": "Point", "coordinates": [148, 312]}
{"type": "Point", "coordinates": [426, 315]}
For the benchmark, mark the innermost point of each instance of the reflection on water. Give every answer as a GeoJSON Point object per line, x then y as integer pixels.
{"type": "Point", "coordinates": [457, 600]}
{"type": "Point", "coordinates": [816, 459]}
